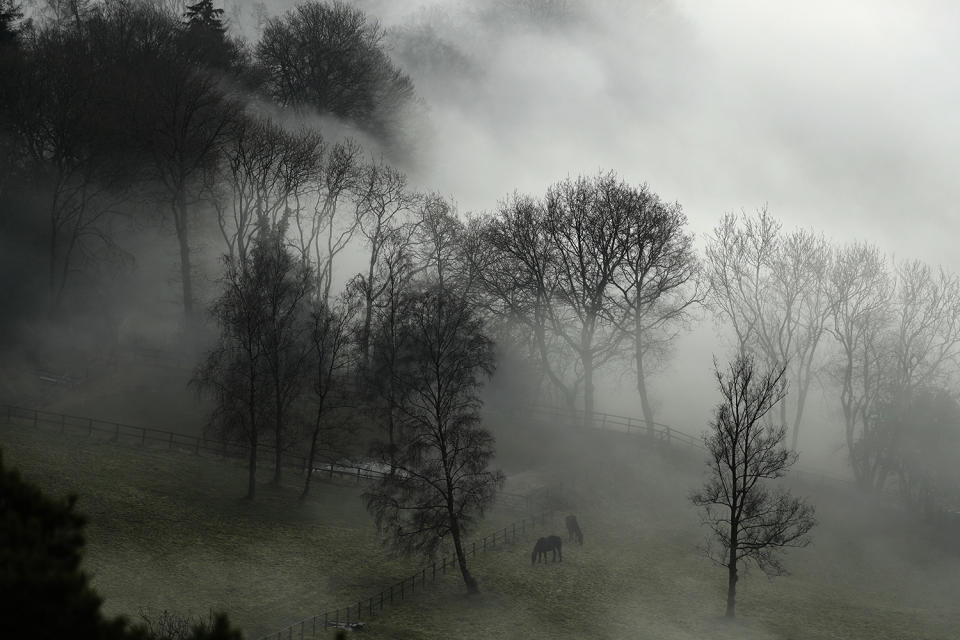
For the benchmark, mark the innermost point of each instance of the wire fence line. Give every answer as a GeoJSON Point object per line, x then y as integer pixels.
{"type": "Point", "coordinates": [355, 615]}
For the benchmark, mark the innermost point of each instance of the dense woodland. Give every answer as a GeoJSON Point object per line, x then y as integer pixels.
{"type": "Point", "coordinates": [327, 303]}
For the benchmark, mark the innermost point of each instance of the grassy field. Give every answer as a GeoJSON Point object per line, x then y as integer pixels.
{"type": "Point", "coordinates": [169, 531]}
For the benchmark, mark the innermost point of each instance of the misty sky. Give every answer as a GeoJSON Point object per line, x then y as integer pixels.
{"type": "Point", "coordinates": [841, 116]}
{"type": "Point", "coordinates": [838, 116]}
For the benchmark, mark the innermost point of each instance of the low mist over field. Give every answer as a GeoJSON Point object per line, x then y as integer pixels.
{"type": "Point", "coordinates": [372, 280]}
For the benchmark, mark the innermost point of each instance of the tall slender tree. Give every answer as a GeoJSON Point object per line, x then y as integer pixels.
{"type": "Point", "coordinates": [751, 523]}
{"type": "Point", "coordinates": [442, 480]}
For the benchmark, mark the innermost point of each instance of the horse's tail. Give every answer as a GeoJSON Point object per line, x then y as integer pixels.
{"type": "Point", "coordinates": [533, 556]}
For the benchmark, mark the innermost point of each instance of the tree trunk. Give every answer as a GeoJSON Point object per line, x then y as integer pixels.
{"type": "Point", "coordinates": [252, 475]}
{"type": "Point", "coordinates": [732, 575]}
{"type": "Point", "coordinates": [278, 438]}
{"type": "Point", "coordinates": [462, 557]}
{"type": "Point", "coordinates": [311, 455]}
{"type": "Point", "coordinates": [186, 267]}
{"type": "Point", "coordinates": [732, 558]}
{"type": "Point", "coordinates": [731, 588]}
{"type": "Point", "coordinates": [642, 390]}
{"type": "Point", "coordinates": [587, 388]}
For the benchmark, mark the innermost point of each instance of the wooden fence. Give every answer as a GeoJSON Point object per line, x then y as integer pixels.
{"type": "Point", "coordinates": [149, 436]}
{"type": "Point", "coordinates": [665, 434]}
{"type": "Point", "coordinates": [354, 615]}
{"type": "Point", "coordinates": [610, 422]}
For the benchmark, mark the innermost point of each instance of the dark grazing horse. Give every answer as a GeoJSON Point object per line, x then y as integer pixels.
{"type": "Point", "coordinates": [550, 543]}
{"type": "Point", "coordinates": [573, 529]}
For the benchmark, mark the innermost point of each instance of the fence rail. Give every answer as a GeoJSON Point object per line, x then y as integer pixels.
{"type": "Point", "coordinates": [666, 434]}
{"type": "Point", "coordinates": [354, 614]}
{"type": "Point", "coordinates": [612, 422]}
{"type": "Point", "coordinates": [134, 434]}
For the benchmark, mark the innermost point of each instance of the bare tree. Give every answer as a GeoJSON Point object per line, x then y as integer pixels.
{"type": "Point", "coordinates": [329, 56]}
{"type": "Point", "coordinates": [384, 203]}
{"type": "Point", "coordinates": [926, 342]}
{"type": "Point", "coordinates": [772, 288]}
{"type": "Point", "coordinates": [437, 240]}
{"type": "Point", "coordinates": [232, 373]}
{"type": "Point", "coordinates": [255, 373]}
{"type": "Point", "coordinates": [442, 481]}
{"type": "Point", "coordinates": [861, 288]}
{"type": "Point", "coordinates": [287, 286]}
{"type": "Point", "coordinates": [516, 270]}
{"type": "Point", "coordinates": [332, 360]}
{"type": "Point", "coordinates": [183, 118]}
{"type": "Point", "coordinates": [271, 173]}
{"type": "Point", "coordinates": [750, 523]}
{"type": "Point", "coordinates": [66, 147]}
{"type": "Point", "coordinates": [324, 232]}
{"type": "Point", "coordinates": [388, 340]}
{"type": "Point", "coordinates": [657, 287]}
{"type": "Point", "coordinates": [586, 223]}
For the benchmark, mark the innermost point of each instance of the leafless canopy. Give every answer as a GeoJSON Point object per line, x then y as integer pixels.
{"type": "Point", "coordinates": [750, 522]}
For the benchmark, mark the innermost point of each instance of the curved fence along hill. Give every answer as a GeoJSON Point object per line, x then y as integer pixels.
{"type": "Point", "coordinates": [352, 615]}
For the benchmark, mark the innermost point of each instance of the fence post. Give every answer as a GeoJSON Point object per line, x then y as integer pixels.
{"type": "Point", "coordinates": [358, 475]}
{"type": "Point", "coordinates": [484, 544]}
{"type": "Point", "coordinates": [474, 548]}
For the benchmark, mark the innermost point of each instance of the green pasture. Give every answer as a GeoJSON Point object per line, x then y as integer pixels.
{"type": "Point", "coordinates": [168, 530]}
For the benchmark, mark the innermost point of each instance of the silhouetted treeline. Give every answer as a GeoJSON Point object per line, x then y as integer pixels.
{"type": "Point", "coordinates": [122, 115]}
